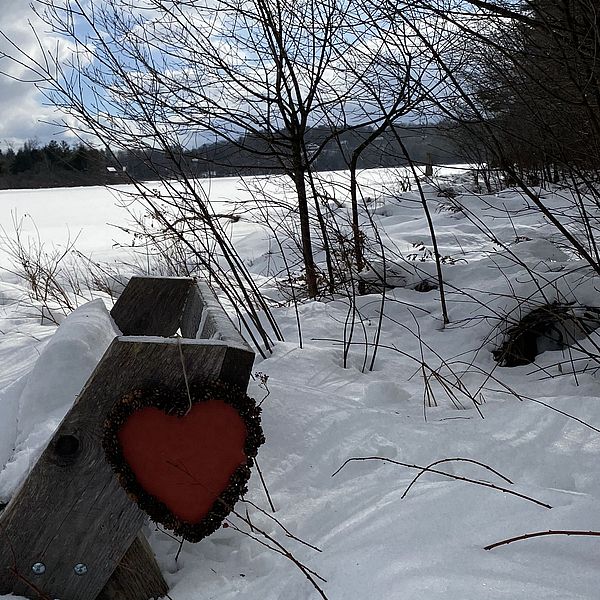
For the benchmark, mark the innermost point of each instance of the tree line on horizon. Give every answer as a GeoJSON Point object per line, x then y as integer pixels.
{"type": "Point", "coordinates": [58, 164]}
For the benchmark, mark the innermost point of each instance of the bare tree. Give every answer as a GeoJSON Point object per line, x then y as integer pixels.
{"type": "Point", "coordinates": [166, 74]}
{"type": "Point", "coordinates": [259, 75]}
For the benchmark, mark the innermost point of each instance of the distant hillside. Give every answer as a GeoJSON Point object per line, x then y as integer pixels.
{"type": "Point", "coordinates": [253, 155]}
{"type": "Point", "coordinates": [60, 165]}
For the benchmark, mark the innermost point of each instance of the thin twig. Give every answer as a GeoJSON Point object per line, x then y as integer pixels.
{"type": "Point", "coordinates": [181, 543]}
{"type": "Point", "coordinates": [262, 480]}
{"type": "Point", "coordinates": [527, 536]}
{"type": "Point", "coordinates": [445, 460]}
{"type": "Point", "coordinates": [277, 546]}
{"type": "Point", "coordinates": [280, 524]}
{"type": "Point", "coordinates": [450, 475]}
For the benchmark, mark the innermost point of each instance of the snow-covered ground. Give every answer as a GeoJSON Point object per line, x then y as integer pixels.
{"type": "Point", "coordinates": [434, 393]}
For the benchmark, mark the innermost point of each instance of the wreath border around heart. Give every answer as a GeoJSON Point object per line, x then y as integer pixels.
{"type": "Point", "coordinates": [177, 403]}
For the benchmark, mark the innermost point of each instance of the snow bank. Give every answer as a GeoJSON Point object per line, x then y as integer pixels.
{"type": "Point", "coordinates": [540, 428]}
{"type": "Point", "coordinates": [33, 406]}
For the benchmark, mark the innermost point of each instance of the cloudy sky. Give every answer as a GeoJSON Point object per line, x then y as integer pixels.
{"type": "Point", "coordinates": [24, 113]}
{"type": "Point", "coordinates": [22, 108]}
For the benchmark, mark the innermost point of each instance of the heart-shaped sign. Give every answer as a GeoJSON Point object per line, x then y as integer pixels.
{"type": "Point", "coordinates": [184, 458]}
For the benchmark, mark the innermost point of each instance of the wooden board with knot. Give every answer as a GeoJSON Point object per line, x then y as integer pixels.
{"type": "Point", "coordinates": [71, 532]}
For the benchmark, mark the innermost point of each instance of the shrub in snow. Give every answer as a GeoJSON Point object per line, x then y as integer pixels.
{"type": "Point", "coordinates": [549, 327]}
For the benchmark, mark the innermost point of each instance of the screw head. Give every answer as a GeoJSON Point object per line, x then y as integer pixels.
{"type": "Point", "coordinates": [80, 569]}
{"type": "Point", "coordinates": [38, 568]}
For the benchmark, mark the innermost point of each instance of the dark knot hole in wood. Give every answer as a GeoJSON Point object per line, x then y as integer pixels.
{"type": "Point", "coordinates": [66, 449]}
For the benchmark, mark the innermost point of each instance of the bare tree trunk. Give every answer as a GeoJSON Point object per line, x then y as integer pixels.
{"type": "Point", "coordinates": [305, 235]}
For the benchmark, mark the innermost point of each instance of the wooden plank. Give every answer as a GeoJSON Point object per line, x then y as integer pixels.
{"type": "Point", "coordinates": [191, 316]}
{"type": "Point", "coordinates": [237, 366]}
{"type": "Point", "coordinates": [138, 576]}
{"type": "Point", "coordinates": [152, 305]}
{"type": "Point", "coordinates": [236, 369]}
{"type": "Point", "coordinates": [215, 322]}
{"type": "Point", "coordinates": [124, 582]}
{"type": "Point", "coordinates": [132, 577]}
{"type": "Point", "coordinates": [41, 525]}
{"type": "Point", "coordinates": [158, 306]}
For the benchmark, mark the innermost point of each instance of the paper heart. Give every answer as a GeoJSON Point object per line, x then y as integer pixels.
{"type": "Point", "coordinates": [184, 463]}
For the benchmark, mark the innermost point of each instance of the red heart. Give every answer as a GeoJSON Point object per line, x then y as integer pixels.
{"type": "Point", "coordinates": [186, 462]}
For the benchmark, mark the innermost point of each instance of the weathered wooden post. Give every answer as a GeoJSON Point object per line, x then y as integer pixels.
{"type": "Point", "coordinates": [71, 532]}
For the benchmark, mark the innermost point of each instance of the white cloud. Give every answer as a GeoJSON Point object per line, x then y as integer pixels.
{"type": "Point", "coordinates": [23, 113]}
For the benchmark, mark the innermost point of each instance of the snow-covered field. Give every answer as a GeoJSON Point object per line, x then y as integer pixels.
{"type": "Point", "coordinates": [537, 425]}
